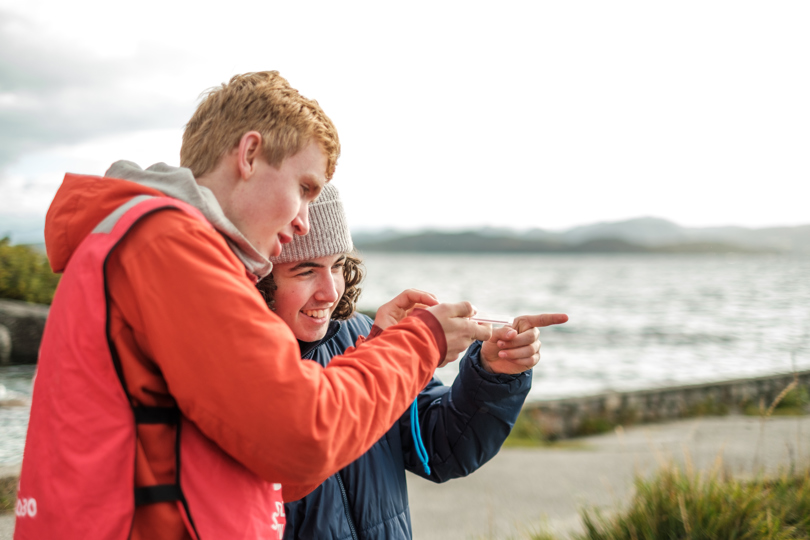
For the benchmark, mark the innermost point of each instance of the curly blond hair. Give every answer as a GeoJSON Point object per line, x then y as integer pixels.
{"type": "Point", "coordinates": [353, 273]}
{"type": "Point", "coordinates": [263, 102]}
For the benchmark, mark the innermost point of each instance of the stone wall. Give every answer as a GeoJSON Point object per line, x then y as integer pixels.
{"type": "Point", "coordinates": [21, 327]}
{"type": "Point", "coordinates": [570, 417]}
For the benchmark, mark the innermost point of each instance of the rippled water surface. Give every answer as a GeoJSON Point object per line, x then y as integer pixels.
{"type": "Point", "coordinates": [15, 386]}
{"type": "Point", "coordinates": [637, 321]}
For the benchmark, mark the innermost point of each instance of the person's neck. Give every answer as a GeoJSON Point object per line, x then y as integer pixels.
{"type": "Point", "coordinates": [307, 346]}
{"type": "Point", "coordinates": [222, 181]}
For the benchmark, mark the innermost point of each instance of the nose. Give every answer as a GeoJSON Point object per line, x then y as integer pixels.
{"type": "Point", "coordinates": [327, 290]}
{"type": "Point", "coordinates": [300, 224]}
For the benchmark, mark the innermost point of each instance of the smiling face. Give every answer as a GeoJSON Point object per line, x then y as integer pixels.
{"type": "Point", "coordinates": [307, 293]}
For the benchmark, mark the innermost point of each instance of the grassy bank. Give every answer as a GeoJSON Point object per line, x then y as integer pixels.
{"type": "Point", "coordinates": [678, 503]}
{"type": "Point", "coordinates": [8, 493]}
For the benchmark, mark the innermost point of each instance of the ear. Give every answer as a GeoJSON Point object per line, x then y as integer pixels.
{"type": "Point", "coordinates": [249, 150]}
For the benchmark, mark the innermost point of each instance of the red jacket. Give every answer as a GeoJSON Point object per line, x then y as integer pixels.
{"type": "Point", "coordinates": [192, 330]}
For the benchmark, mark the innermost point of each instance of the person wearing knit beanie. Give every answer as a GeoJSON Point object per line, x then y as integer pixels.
{"type": "Point", "coordinates": [315, 278]}
{"type": "Point", "coordinates": [314, 287]}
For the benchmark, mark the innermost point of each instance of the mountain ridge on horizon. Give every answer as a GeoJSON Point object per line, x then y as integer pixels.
{"type": "Point", "coordinates": [532, 230]}
{"type": "Point", "coordinates": [644, 234]}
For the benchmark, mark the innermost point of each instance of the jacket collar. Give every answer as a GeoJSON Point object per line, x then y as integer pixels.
{"type": "Point", "coordinates": [307, 347]}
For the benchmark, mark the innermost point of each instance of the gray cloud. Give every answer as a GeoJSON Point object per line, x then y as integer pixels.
{"type": "Point", "coordinates": [52, 93]}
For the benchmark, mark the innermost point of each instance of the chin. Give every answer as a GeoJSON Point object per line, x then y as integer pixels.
{"type": "Point", "coordinates": [311, 335]}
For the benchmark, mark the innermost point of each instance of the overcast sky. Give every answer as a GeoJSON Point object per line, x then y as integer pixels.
{"type": "Point", "coordinates": [451, 115]}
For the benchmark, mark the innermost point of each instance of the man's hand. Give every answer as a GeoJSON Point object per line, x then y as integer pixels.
{"type": "Point", "coordinates": [459, 331]}
{"type": "Point", "coordinates": [400, 307]}
{"type": "Point", "coordinates": [515, 349]}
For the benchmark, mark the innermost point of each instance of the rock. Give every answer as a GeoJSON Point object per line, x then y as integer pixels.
{"type": "Point", "coordinates": [5, 345]}
{"type": "Point", "coordinates": [25, 323]}
{"type": "Point", "coordinates": [14, 402]}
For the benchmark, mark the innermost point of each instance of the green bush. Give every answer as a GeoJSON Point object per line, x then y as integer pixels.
{"type": "Point", "coordinates": [527, 434]}
{"type": "Point", "coordinates": [794, 402]}
{"type": "Point", "coordinates": [594, 425]}
{"type": "Point", "coordinates": [675, 504]}
{"type": "Point", "coordinates": [8, 493]}
{"type": "Point", "coordinates": [708, 407]}
{"type": "Point", "coordinates": [797, 399]}
{"type": "Point", "coordinates": [25, 274]}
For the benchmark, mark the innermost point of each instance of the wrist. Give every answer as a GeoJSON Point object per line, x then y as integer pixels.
{"type": "Point", "coordinates": [491, 375]}
{"type": "Point", "coordinates": [485, 364]}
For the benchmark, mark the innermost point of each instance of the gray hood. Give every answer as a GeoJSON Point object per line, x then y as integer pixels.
{"type": "Point", "coordinates": [179, 183]}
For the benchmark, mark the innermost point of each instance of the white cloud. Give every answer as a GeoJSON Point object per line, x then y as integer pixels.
{"type": "Point", "coordinates": [29, 185]}
{"type": "Point", "coordinates": [52, 95]}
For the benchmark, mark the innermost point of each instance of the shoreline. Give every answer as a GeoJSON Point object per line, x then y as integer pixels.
{"type": "Point", "coordinates": [577, 416]}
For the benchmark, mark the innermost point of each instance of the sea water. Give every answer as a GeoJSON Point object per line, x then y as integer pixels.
{"type": "Point", "coordinates": [636, 321]}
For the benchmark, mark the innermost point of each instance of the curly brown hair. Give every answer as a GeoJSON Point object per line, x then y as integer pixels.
{"type": "Point", "coordinates": [353, 274]}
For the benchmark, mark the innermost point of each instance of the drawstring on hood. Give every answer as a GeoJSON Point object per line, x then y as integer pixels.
{"type": "Point", "coordinates": [179, 183]}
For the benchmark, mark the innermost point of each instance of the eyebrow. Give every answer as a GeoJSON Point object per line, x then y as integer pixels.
{"type": "Point", "coordinates": [315, 181]}
{"type": "Point", "coordinates": [313, 264]}
{"type": "Point", "coordinates": [306, 264]}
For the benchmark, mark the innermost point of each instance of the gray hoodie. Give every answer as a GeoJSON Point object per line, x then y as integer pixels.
{"type": "Point", "coordinates": [179, 183]}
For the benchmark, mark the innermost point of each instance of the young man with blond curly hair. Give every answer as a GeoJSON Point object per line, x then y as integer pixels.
{"type": "Point", "coordinates": [169, 402]}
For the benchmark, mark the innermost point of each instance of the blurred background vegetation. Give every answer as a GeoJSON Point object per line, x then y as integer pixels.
{"type": "Point", "coordinates": [25, 274]}
{"type": "Point", "coordinates": [683, 503]}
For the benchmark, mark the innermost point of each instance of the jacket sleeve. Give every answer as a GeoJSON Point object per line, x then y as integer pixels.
{"type": "Point", "coordinates": [234, 368]}
{"type": "Point", "coordinates": [463, 426]}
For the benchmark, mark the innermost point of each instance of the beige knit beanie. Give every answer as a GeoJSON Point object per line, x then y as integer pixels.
{"type": "Point", "coordinates": [328, 231]}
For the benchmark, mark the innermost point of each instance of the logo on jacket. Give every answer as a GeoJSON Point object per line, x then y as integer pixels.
{"type": "Point", "coordinates": [26, 507]}
{"type": "Point", "coordinates": [279, 513]}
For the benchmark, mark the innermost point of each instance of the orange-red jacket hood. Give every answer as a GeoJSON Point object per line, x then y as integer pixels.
{"type": "Point", "coordinates": [79, 205]}
{"type": "Point", "coordinates": [83, 201]}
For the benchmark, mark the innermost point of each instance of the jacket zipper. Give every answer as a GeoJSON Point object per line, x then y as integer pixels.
{"type": "Point", "coordinates": [346, 506]}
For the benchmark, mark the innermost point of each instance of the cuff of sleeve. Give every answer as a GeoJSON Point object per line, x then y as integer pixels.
{"type": "Point", "coordinates": [436, 329]}
{"type": "Point", "coordinates": [375, 331]}
{"type": "Point", "coordinates": [477, 387]}
{"type": "Point", "coordinates": [475, 361]}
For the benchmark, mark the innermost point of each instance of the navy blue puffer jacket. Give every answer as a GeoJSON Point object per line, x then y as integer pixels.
{"type": "Point", "coordinates": [463, 427]}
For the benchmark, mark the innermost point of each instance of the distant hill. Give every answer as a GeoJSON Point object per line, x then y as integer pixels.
{"type": "Point", "coordinates": [641, 235]}
{"type": "Point", "coordinates": [656, 232]}
{"type": "Point", "coordinates": [460, 242]}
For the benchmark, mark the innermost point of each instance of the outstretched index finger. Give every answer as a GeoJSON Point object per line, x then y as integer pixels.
{"type": "Point", "coordinates": [525, 322]}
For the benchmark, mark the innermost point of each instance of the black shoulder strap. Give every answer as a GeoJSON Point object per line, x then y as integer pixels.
{"type": "Point", "coordinates": [144, 415]}
{"type": "Point", "coordinates": [156, 415]}
{"type": "Point", "coordinates": [157, 494]}
{"type": "Point", "coordinates": [161, 492]}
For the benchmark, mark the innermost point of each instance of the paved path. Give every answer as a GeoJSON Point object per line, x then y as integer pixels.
{"type": "Point", "coordinates": [524, 488]}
